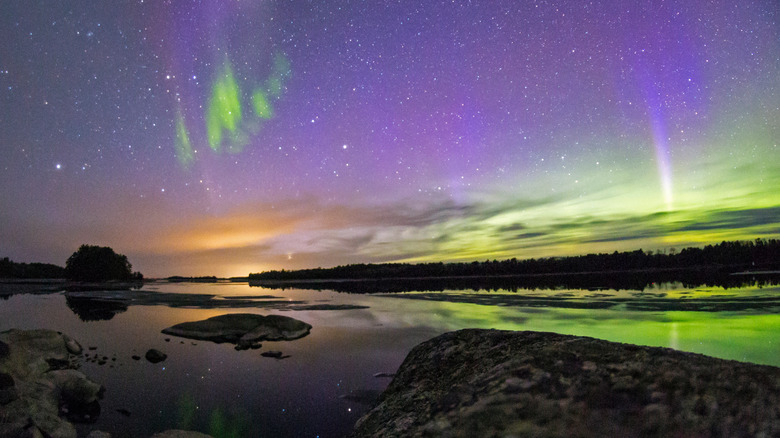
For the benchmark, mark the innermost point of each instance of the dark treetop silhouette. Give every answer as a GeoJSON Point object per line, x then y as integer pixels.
{"type": "Point", "coordinates": [99, 263]}
{"type": "Point", "coordinates": [11, 269]}
{"type": "Point", "coordinates": [726, 256]}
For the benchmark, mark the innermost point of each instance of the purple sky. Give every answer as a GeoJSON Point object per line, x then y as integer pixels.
{"type": "Point", "coordinates": [391, 131]}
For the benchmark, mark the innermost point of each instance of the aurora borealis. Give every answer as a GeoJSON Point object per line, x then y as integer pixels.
{"type": "Point", "coordinates": [228, 137]}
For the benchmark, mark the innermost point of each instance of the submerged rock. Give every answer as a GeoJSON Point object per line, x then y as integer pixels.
{"type": "Point", "coordinates": [155, 356]}
{"type": "Point", "coordinates": [243, 329]}
{"type": "Point", "coordinates": [501, 383]}
{"type": "Point", "coordinates": [272, 353]}
{"type": "Point", "coordinates": [39, 383]}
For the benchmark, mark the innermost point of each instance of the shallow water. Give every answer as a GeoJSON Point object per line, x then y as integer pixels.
{"type": "Point", "coordinates": [218, 390]}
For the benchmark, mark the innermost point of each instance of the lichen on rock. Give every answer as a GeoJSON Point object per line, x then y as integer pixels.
{"type": "Point", "coordinates": [500, 383]}
{"type": "Point", "coordinates": [39, 383]}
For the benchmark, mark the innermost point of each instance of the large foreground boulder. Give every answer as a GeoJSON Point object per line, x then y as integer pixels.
{"type": "Point", "coordinates": [39, 384]}
{"type": "Point", "coordinates": [499, 383]}
{"type": "Point", "coordinates": [242, 328]}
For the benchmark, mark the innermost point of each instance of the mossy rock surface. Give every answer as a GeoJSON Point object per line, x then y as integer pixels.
{"type": "Point", "coordinates": [473, 383]}
{"type": "Point", "coordinates": [38, 378]}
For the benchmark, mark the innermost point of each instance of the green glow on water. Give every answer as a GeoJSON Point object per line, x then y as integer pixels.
{"type": "Point", "coordinates": [187, 407]}
{"type": "Point", "coordinates": [222, 425]}
{"type": "Point", "coordinates": [742, 336]}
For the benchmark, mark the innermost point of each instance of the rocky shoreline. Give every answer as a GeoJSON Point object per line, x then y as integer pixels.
{"type": "Point", "coordinates": [499, 383]}
{"type": "Point", "coordinates": [41, 391]}
{"type": "Point", "coordinates": [461, 384]}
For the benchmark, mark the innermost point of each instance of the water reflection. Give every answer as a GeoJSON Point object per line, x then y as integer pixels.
{"type": "Point", "coordinates": [97, 305]}
{"type": "Point", "coordinates": [636, 281]}
{"type": "Point", "coordinates": [215, 389]}
{"type": "Point", "coordinates": [651, 303]}
{"type": "Point", "coordinates": [94, 309]}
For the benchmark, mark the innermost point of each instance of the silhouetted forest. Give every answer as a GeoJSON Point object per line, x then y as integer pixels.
{"type": "Point", "coordinates": [11, 269]}
{"type": "Point", "coordinates": [709, 261]}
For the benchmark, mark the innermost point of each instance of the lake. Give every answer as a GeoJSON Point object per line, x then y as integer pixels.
{"type": "Point", "coordinates": [328, 380]}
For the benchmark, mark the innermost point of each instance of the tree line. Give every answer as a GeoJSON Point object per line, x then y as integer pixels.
{"type": "Point", "coordinates": [11, 269]}
{"type": "Point", "coordinates": [89, 263]}
{"type": "Point", "coordinates": [727, 256]}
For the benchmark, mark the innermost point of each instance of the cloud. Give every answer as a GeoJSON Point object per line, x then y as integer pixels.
{"type": "Point", "coordinates": [308, 232]}
{"type": "Point", "coordinates": [734, 219]}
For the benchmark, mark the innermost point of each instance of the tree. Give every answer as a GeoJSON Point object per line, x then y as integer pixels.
{"type": "Point", "coordinates": [99, 263]}
{"type": "Point", "coordinates": [11, 269]}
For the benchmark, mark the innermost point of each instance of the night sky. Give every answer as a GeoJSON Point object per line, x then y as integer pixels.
{"type": "Point", "coordinates": [228, 137]}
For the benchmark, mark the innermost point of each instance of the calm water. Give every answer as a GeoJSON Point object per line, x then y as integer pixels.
{"type": "Point", "coordinates": [218, 390]}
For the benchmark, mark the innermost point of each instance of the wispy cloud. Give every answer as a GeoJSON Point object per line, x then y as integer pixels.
{"type": "Point", "coordinates": [293, 236]}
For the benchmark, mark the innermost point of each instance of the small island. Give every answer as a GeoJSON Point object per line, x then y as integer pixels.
{"type": "Point", "coordinates": [92, 263]}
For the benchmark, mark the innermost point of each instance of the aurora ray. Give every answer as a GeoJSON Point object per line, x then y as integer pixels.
{"type": "Point", "coordinates": [183, 145]}
{"type": "Point", "coordinates": [223, 115]}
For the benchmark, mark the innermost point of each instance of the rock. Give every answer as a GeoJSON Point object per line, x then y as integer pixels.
{"type": "Point", "coordinates": [8, 392]}
{"type": "Point", "coordinates": [72, 345]}
{"type": "Point", "coordinates": [40, 366]}
{"type": "Point", "coordinates": [501, 383]}
{"type": "Point", "coordinates": [32, 352]}
{"type": "Point", "coordinates": [155, 356]}
{"type": "Point", "coordinates": [98, 434]}
{"type": "Point", "coordinates": [6, 381]}
{"type": "Point", "coordinates": [180, 434]}
{"type": "Point", "coordinates": [3, 350]}
{"type": "Point", "coordinates": [242, 328]}
{"type": "Point", "coordinates": [246, 345]}
{"type": "Point", "coordinates": [272, 353]}
{"type": "Point", "coordinates": [75, 387]}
